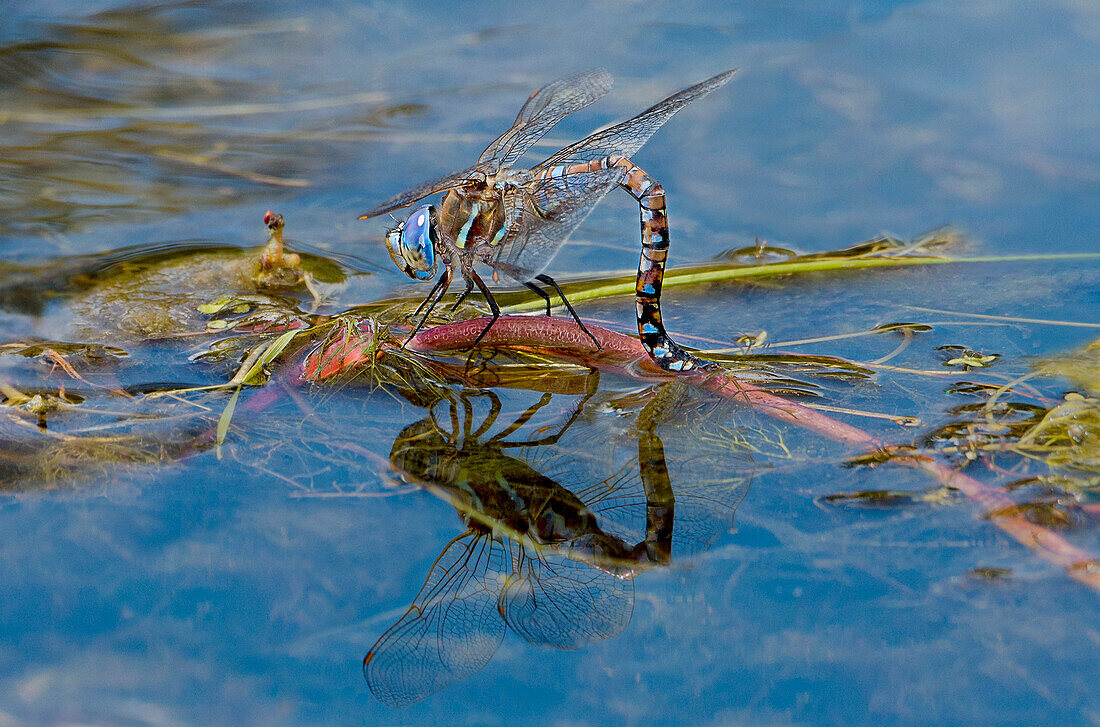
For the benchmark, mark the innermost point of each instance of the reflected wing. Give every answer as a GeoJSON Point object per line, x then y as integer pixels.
{"type": "Point", "coordinates": [558, 602]}
{"type": "Point", "coordinates": [704, 502]}
{"type": "Point", "coordinates": [547, 211]}
{"type": "Point", "coordinates": [628, 137]}
{"type": "Point", "coordinates": [425, 189]}
{"type": "Point", "coordinates": [543, 110]}
{"type": "Point", "coordinates": [620, 504]}
{"type": "Point", "coordinates": [710, 461]}
{"type": "Point", "coordinates": [706, 461]}
{"type": "Point", "coordinates": [451, 630]}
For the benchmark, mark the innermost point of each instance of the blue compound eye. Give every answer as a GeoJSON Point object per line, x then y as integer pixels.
{"type": "Point", "coordinates": [393, 246]}
{"type": "Point", "coordinates": [417, 244]}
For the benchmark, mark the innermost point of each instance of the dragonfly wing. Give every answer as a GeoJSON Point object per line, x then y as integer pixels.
{"type": "Point", "coordinates": [556, 205]}
{"type": "Point", "coordinates": [451, 630]}
{"type": "Point", "coordinates": [703, 500]}
{"type": "Point", "coordinates": [543, 110]}
{"type": "Point", "coordinates": [545, 212]}
{"type": "Point", "coordinates": [619, 502]}
{"type": "Point", "coordinates": [629, 136]}
{"type": "Point", "coordinates": [693, 459]}
{"type": "Point", "coordinates": [425, 189]}
{"type": "Point", "coordinates": [711, 469]}
{"type": "Point", "coordinates": [566, 604]}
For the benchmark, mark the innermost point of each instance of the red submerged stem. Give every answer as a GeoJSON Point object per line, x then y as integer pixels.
{"type": "Point", "coordinates": [625, 354]}
{"type": "Point", "coordinates": [558, 335]}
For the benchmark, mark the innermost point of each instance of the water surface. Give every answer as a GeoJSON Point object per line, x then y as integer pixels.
{"type": "Point", "coordinates": [184, 588]}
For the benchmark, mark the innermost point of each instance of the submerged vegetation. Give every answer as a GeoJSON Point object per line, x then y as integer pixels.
{"type": "Point", "coordinates": [551, 530]}
{"type": "Point", "coordinates": [252, 316]}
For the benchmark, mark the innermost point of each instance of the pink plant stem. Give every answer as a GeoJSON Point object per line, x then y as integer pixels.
{"type": "Point", "coordinates": [625, 355]}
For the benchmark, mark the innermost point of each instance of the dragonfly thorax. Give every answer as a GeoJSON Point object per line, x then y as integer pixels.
{"type": "Point", "coordinates": [472, 216]}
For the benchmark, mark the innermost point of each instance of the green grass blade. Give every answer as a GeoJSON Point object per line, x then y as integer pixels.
{"type": "Point", "coordinates": [223, 422]}
{"type": "Point", "coordinates": [269, 354]}
{"type": "Point", "coordinates": [722, 271]}
{"type": "Point", "coordinates": [247, 374]}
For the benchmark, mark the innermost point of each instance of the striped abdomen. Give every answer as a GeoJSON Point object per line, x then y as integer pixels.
{"type": "Point", "coordinates": [651, 267]}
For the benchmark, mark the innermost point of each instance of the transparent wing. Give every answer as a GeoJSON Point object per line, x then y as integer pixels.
{"type": "Point", "coordinates": [450, 632]}
{"type": "Point", "coordinates": [424, 189]}
{"type": "Point", "coordinates": [544, 213]}
{"type": "Point", "coordinates": [703, 503]}
{"type": "Point", "coordinates": [629, 136]}
{"type": "Point", "coordinates": [543, 110]}
{"type": "Point", "coordinates": [553, 207]}
{"type": "Point", "coordinates": [553, 601]}
{"type": "Point", "coordinates": [691, 461]}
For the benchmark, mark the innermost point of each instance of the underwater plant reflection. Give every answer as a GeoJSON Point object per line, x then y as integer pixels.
{"type": "Point", "coordinates": [549, 548]}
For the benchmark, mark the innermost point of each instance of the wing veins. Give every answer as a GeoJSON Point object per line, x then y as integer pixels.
{"type": "Point", "coordinates": [542, 112]}
{"type": "Point", "coordinates": [425, 189]}
{"type": "Point", "coordinates": [628, 137]}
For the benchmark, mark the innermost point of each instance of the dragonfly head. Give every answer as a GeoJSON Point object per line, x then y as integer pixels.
{"type": "Point", "coordinates": [412, 243]}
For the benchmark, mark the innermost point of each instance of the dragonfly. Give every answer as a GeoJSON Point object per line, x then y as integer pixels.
{"type": "Point", "coordinates": [514, 220]}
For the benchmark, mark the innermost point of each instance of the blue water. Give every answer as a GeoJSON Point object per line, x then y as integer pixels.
{"type": "Point", "coordinates": [222, 591]}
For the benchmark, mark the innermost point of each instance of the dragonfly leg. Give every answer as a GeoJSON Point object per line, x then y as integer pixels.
{"type": "Point", "coordinates": [554, 284]}
{"type": "Point", "coordinates": [444, 282]}
{"type": "Point", "coordinates": [431, 302]}
{"type": "Point", "coordinates": [523, 276]}
{"type": "Point", "coordinates": [424, 302]}
{"type": "Point", "coordinates": [541, 293]}
{"type": "Point", "coordinates": [469, 287]}
{"type": "Point", "coordinates": [472, 275]}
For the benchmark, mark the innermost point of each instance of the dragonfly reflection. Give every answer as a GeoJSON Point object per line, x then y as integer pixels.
{"type": "Point", "coordinates": [543, 552]}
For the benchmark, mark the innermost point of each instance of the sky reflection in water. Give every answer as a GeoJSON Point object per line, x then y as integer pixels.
{"type": "Point", "coordinates": [210, 591]}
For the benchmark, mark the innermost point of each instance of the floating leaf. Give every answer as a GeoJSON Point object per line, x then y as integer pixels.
{"type": "Point", "coordinates": [215, 306]}
{"type": "Point", "coordinates": [1056, 514]}
{"type": "Point", "coordinates": [970, 388]}
{"type": "Point", "coordinates": [963, 356]}
{"type": "Point", "coordinates": [89, 351]}
{"type": "Point", "coordinates": [881, 499]}
{"type": "Point", "coordinates": [989, 573]}
{"type": "Point", "coordinates": [902, 328]}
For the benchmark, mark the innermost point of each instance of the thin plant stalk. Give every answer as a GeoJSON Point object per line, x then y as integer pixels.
{"type": "Point", "coordinates": [711, 272]}
{"type": "Point", "coordinates": [625, 355]}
